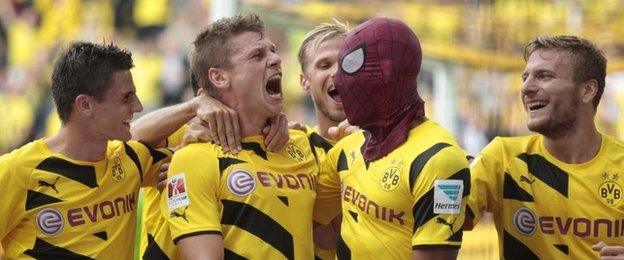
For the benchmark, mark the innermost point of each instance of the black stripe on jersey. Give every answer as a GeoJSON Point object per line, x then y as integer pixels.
{"type": "Point", "coordinates": [45, 250]}
{"type": "Point", "coordinates": [320, 142]}
{"type": "Point", "coordinates": [434, 247]}
{"type": "Point", "coordinates": [256, 148]}
{"type": "Point", "coordinates": [225, 162]}
{"type": "Point", "coordinates": [156, 155]}
{"type": "Point", "coordinates": [513, 191]}
{"type": "Point", "coordinates": [37, 199]}
{"type": "Point", "coordinates": [198, 233]}
{"type": "Point", "coordinates": [457, 236]}
{"type": "Point", "coordinates": [101, 235]}
{"type": "Point", "coordinates": [342, 162]}
{"type": "Point", "coordinates": [153, 251]}
{"type": "Point", "coordinates": [514, 249]}
{"type": "Point", "coordinates": [80, 173]}
{"type": "Point", "coordinates": [421, 160]}
{"type": "Point", "coordinates": [254, 221]}
{"type": "Point", "coordinates": [423, 208]}
{"type": "Point", "coordinates": [342, 250]}
{"type": "Point", "coordinates": [563, 248]}
{"type": "Point", "coordinates": [353, 215]}
{"type": "Point", "coordinates": [547, 172]}
{"type": "Point", "coordinates": [283, 199]}
{"type": "Point", "coordinates": [135, 158]}
{"type": "Point", "coordinates": [230, 255]}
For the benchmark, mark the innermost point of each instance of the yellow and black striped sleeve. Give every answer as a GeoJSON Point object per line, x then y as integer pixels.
{"type": "Point", "coordinates": [486, 170]}
{"type": "Point", "coordinates": [190, 202]}
{"type": "Point", "coordinates": [147, 160]}
{"type": "Point", "coordinates": [440, 184]}
{"type": "Point", "coordinates": [327, 204]}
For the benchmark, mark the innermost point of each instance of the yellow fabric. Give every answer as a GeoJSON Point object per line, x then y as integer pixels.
{"type": "Point", "coordinates": [151, 218]}
{"type": "Point", "coordinates": [95, 202]}
{"type": "Point", "coordinates": [544, 208]}
{"type": "Point", "coordinates": [383, 217]}
{"type": "Point", "coordinates": [271, 223]}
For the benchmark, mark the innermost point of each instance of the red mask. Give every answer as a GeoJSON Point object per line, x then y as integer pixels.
{"type": "Point", "coordinates": [379, 64]}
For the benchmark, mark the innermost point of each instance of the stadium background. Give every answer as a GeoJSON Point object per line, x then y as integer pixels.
{"type": "Point", "coordinates": [470, 78]}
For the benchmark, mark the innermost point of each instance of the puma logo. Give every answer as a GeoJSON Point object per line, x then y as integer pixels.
{"type": "Point", "coordinates": [178, 215]}
{"type": "Point", "coordinates": [525, 179]}
{"type": "Point", "coordinates": [51, 185]}
{"type": "Point", "coordinates": [442, 221]}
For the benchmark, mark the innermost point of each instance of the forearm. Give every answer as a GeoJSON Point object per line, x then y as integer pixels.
{"type": "Point", "coordinates": [154, 127]}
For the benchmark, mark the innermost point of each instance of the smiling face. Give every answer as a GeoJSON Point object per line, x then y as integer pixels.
{"type": "Point", "coordinates": [255, 74]}
{"type": "Point", "coordinates": [113, 114]}
{"type": "Point", "coordinates": [317, 78]}
{"type": "Point", "coordinates": [549, 93]}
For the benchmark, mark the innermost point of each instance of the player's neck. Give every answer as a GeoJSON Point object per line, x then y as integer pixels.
{"type": "Point", "coordinates": [324, 123]}
{"type": "Point", "coordinates": [251, 125]}
{"type": "Point", "coordinates": [579, 146]}
{"type": "Point", "coordinates": [78, 144]}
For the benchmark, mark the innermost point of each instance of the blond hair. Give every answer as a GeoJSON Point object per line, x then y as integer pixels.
{"type": "Point", "coordinates": [318, 35]}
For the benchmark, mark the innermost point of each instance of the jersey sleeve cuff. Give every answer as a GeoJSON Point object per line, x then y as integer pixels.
{"type": "Point", "coordinates": [197, 233]}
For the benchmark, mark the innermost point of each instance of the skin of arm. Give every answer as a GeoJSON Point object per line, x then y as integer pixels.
{"type": "Point", "coordinates": [221, 121]}
{"type": "Point", "coordinates": [209, 247]}
{"type": "Point", "coordinates": [434, 253]}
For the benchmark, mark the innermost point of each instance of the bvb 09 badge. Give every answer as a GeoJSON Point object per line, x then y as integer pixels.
{"type": "Point", "coordinates": [118, 172]}
{"type": "Point", "coordinates": [610, 191]}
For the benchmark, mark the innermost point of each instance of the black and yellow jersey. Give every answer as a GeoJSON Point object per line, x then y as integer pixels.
{"type": "Point", "coordinates": [414, 197]}
{"type": "Point", "coordinates": [56, 207]}
{"type": "Point", "coordinates": [320, 147]}
{"type": "Point", "coordinates": [257, 200]}
{"type": "Point", "coordinates": [151, 219]}
{"type": "Point", "coordinates": [545, 208]}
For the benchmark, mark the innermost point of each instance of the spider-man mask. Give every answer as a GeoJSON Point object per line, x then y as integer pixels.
{"type": "Point", "coordinates": [379, 64]}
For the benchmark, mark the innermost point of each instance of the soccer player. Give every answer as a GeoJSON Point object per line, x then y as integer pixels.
{"type": "Point", "coordinates": [318, 57]}
{"type": "Point", "coordinates": [73, 195]}
{"type": "Point", "coordinates": [404, 179]}
{"type": "Point", "coordinates": [557, 192]}
{"type": "Point", "coordinates": [254, 203]}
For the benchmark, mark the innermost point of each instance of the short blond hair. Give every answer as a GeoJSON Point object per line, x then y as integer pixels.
{"type": "Point", "coordinates": [318, 35]}
{"type": "Point", "coordinates": [210, 50]}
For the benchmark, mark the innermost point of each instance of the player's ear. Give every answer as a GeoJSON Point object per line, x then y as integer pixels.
{"type": "Point", "coordinates": [219, 77]}
{"type": "Point", "coordinates": [83, 104]}
{"type": "Point", "coordinates": [588, 91]}
{"type": "Point", "coordinates": [304, 82]}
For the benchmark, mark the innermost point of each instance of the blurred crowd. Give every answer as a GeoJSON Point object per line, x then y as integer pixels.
{"type": "Point", "coordinates": [159, 34]}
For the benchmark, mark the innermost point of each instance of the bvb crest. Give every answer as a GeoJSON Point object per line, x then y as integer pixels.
{"type": "Point", "coordinates": [118, 172]}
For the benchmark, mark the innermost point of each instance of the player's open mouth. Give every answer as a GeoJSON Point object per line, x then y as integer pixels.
{"type": "Point", "coordinates": [127, 121]}
{"type": "Point", "coordinates": [536, 105]}
{"type": "Point", "coordinates": [274, 86]}
{"type": "Point", "coordinates": [333, 93]}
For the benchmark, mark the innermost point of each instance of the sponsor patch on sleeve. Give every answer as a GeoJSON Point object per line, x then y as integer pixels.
{"type": "Point", "coordinates": [177, 193]}
{"type": "Point", "coordinates": [447, 196]}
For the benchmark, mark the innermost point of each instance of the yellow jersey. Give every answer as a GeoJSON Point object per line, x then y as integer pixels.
{"type": "Point", "coordinates": [545, 208]}
{"type": "Point", "coordinates": [56, 207]}
{"type": "Point", "coordinates": [412, 198]}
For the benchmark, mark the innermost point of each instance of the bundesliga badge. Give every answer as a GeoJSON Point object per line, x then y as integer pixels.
{"type": "Point", "coordinates": [177, 196]}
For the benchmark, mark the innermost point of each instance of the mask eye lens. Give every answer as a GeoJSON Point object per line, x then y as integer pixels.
{"type": "Point", "coordinates": [353, 61]}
